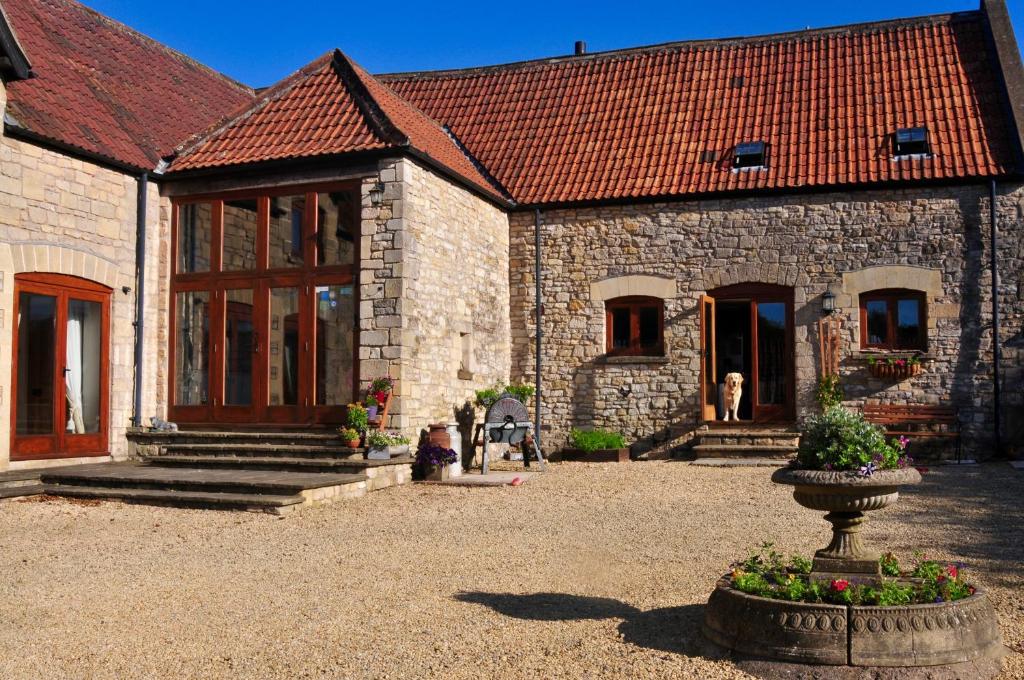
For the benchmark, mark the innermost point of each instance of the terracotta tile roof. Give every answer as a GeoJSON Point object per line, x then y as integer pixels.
{"type": "Point", "coordinates": [107, 90]}
{"type": "Point", "coordinates": [331, 106]}
{"type": "Point", "coordinates": [634, 123]}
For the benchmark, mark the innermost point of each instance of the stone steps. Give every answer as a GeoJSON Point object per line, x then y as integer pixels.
{"type": "Point", "coordinates": [252, 461]}
{"type": "Point", "coordinates": [746, 442]}
{"type": "Point", "coordinates": [263, 450]}
{"type": "Point", "coordinates": [21, 490]}
{"type": "Point", "coordinates": [266, 491]}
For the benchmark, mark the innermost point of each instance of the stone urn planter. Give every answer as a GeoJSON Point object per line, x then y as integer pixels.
{"type": "Point", "coordinates": [846, 496]}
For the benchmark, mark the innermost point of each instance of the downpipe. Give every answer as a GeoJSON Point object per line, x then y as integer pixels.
{"type": "Point", "coordinates": [140, 294]}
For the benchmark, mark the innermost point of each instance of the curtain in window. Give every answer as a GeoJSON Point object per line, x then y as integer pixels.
{"type": "Point", "coordinates": [73, 369]}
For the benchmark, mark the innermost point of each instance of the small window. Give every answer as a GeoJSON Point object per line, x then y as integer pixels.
{"type": "Point", "coordinates": [893, 319]}
{"type": "Point", "coordinates": [635, 326]}
{"type": "Point", "coordinates": [749, 155]}
{"type": "Point", "coordinates": [911, 141]}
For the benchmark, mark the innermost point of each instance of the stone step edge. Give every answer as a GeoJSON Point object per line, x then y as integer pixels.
{"type": "Point", "coordinates": [171, 460]}
{"type": "Point", "coordinates": [21, 491]}
{"type": "Point", "coordinates": [187, 484]}
{"type": "Point", "coordinates": [746, 447]}
{"type": "Point", "coordinates": [232, 500]}
{"type": "Point", "coordinates": [269, 446]}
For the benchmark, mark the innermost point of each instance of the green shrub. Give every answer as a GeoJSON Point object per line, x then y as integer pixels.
{"type": "Point", "coordinates": [357, 417]}
{"type": "Point", "coordinates": [840, 439]}
{"type": "Point", "coordinates": [830, 392]}
{"type": "Point", "coordinates": [593, 440]}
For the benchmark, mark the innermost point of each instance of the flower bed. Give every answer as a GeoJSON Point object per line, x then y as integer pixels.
{"type": "Point", "coordinates": [766, 574]}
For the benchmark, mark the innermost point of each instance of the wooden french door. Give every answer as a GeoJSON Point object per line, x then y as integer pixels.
{"type": "Point", "coordinates": [759, 345]}
{"type": "Point", "coordinates": [60, 379]}
{"type": "Point", "coordinates": [264, 307]}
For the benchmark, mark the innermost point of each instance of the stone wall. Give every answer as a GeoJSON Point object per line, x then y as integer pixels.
{"type": "Point", "coordinates": [63, 215]}
{"type": "Point", "coordinates": [807, 242]}
{"type": "Point", "coordinates": [434, 288]}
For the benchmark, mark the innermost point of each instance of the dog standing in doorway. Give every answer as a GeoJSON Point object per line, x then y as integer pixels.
{"type": "Point", "coordinates": [733, 392]}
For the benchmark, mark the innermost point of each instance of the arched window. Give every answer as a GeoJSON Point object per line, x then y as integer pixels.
{"type": "Point", "coordinates": [893, 318]}
{"type": "Point", "coordinates": [635, 326]}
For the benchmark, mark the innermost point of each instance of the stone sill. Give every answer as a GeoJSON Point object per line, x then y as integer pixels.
{"type": "Point", "coordinates": [628, 359]}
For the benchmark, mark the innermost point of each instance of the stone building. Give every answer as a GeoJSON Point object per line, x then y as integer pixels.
{"type": "Point", "coordinates": [177, 244]}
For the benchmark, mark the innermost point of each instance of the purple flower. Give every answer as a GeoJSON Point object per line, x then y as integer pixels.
{"type": "Point", "coordinates": [903, 441]}
{"type": "Point", "coordinates": [867, 470]}
{"type": "Point", "coordinates": [939, 599]}
{"type": "Point", "coordinates": [828, 467]}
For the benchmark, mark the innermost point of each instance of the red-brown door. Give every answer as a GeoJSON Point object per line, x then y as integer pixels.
{"type": "Point", "coordinates": [60, 377]}
{"type": "Point", "coordinates": [708, 381]}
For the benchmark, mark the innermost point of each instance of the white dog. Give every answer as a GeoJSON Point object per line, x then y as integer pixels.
{"type": "Point", "coordinates": [733, 392]}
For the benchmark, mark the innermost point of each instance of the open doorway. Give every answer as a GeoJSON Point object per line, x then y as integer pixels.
{"type": "Point", "coordinates": [748, 329]}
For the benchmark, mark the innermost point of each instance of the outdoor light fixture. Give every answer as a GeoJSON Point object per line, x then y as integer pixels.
{"type": "Point", "coordinates": [376, 194]}
{"type": "Point", "coordinates": [828, 301]}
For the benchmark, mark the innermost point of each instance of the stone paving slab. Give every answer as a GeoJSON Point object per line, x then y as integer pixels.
{"type": "Point", "coordinates": [490, 479]}
{"type": "Point", "coordinates": [152, 474]}
{"type": "Point", "coordinates": [1018, 464]}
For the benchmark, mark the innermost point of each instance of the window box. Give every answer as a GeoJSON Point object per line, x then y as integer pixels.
{"type": "Point", "coordinates": [894, 368]}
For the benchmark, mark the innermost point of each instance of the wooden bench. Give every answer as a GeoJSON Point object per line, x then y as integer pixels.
{"type": "Point", "coordinates": [912, 421]}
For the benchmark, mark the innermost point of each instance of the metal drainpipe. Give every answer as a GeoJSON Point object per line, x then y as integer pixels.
{"type": "Point", "coordinates": [539, 316]}
{"type": "Point", "coordinates": [996, 353]}
{"type": "Point", "coordinates": [140, 292]}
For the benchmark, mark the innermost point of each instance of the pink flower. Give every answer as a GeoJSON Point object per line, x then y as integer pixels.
{"type": "Point", "coordinates": [952, 571]}
{"type": "Point", "coordinates": [901, 362]}
{"type": "Point", "coordinates": [839, 585]}
{"type": "Point", "coordinates": [903, 441]}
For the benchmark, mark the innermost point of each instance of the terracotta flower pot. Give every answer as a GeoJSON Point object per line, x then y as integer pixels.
{"type": "Point", "coordinates": [846, 496]}
{"type": "Point", "coordinates": [352, 443]}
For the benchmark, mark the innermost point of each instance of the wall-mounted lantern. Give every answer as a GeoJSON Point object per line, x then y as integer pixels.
{"type": "Point", "coordinates": [377, 194]}
{"type": "Point", "coordinates": [828, 302]}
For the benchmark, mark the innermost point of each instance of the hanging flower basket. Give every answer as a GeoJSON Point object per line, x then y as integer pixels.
{"type": "Point", "coordinates": [894, 368]}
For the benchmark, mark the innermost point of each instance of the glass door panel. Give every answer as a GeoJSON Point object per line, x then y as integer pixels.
{"type": "Point", "coordinates": [192, 348]}
{"type": "Point", "coordinates": [284, 347]}
{"type": "Point", "coordinates": [335, 344]}
{"type": "Point", "coordinates": [82, 367]}
{"type": "Point", "coordinates": [239, 347]}
{"type": "Point", "coordinates": [771, 353]}
{"type": "Point", "coordinates": [36, 360]}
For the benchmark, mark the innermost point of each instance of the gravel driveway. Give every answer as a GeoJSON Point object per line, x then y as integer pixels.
{"type": "Point", "coordinates": [587, 571]}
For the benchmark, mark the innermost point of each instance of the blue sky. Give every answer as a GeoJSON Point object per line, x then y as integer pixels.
{"type": "Point", "coordinates": [261, 41]}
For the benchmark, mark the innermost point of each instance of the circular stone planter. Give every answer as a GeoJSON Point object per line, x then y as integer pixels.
{"type": "Point", "coordinates": [846, 496]}
{"type": "Point", "coordinates": [836, 635]}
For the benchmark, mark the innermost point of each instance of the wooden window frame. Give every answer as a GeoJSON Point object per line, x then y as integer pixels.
{"type": "Point", "coordinates": [634, 304]}
{"type": "Point", "coordinates": [305, 276]}
{"type": "Point", "coordinates": [891, 298]}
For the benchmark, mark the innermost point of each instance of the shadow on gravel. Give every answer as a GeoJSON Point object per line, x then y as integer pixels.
{"type": "Point", "coordinates": [670, 629]}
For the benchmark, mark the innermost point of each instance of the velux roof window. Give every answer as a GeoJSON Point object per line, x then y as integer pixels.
{"type": "Point", "coordinates": [911, 142]}
{"type": "Point", "coordinates": [749, 155]}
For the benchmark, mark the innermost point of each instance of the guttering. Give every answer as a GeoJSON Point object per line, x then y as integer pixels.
{"type": "Point", "coordinates": [996, 352]}
{"type": "Point", "coordinates": [539, 315]}
{"type": "Point", "coordinates": [140, 293]}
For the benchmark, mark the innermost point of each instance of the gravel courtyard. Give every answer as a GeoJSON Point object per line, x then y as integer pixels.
{"type": "Point", "coordinates": [586, 571]}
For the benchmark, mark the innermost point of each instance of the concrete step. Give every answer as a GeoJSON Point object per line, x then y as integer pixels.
{"type": "Point", "coordinates": [270, 463]}
{"type": "Point", "coordinates": [272, 503]}
{"type": "Point", "coordinates": [266, 450]}
{"type": "Point", "coordinates": [780, 451]}
{"type": "Point", "coordinates": [299, 437]}
{"type": "Point", "coordinates": [18, 491]}
{"type": "Point", "coordinates": [130, 475]}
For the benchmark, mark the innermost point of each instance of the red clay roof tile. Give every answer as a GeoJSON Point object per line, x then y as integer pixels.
{"type": "Point", "coordinates": [107, 90]}
{"type": "Point", "coordinates": [633, 124]}
{"type": "Point", "coordinates": [332, 106]}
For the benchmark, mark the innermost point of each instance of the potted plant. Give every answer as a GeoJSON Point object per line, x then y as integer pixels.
{"type": "Point", "coordinates": [357, 418]}
{"type": "Point", "coordinates": [381, 445]}
{"type": "Point", "coordinates": [846, 467]}
{"type": "Point", "coordinates": [596, 446]}
{"type": "Point", "coordinates": [371, 406]}
{"type": "Point", "coordinates": [380, 388]}
{"type": "Point", "coordinates": [435, 461]}
{"type": "Point", "coordinates": [350, 436]}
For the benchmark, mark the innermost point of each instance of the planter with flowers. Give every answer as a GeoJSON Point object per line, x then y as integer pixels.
{"type": "Point", "coordinates": [372, 406]}
{"type": "Point", "coordinates": [356, 417]}
{"type": "Point", "coordinates": [435, 461]}
{"type": "Point", "coordinates": [350, 436]}
{"type": "Point", "coordinates": [377, 395]}
{"type": "Point", "coordinates": [850, 606]}
{"type": "Point", "coordinates": [382, 445]}
{"type": "Point", "coordinates": [895, 367]}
